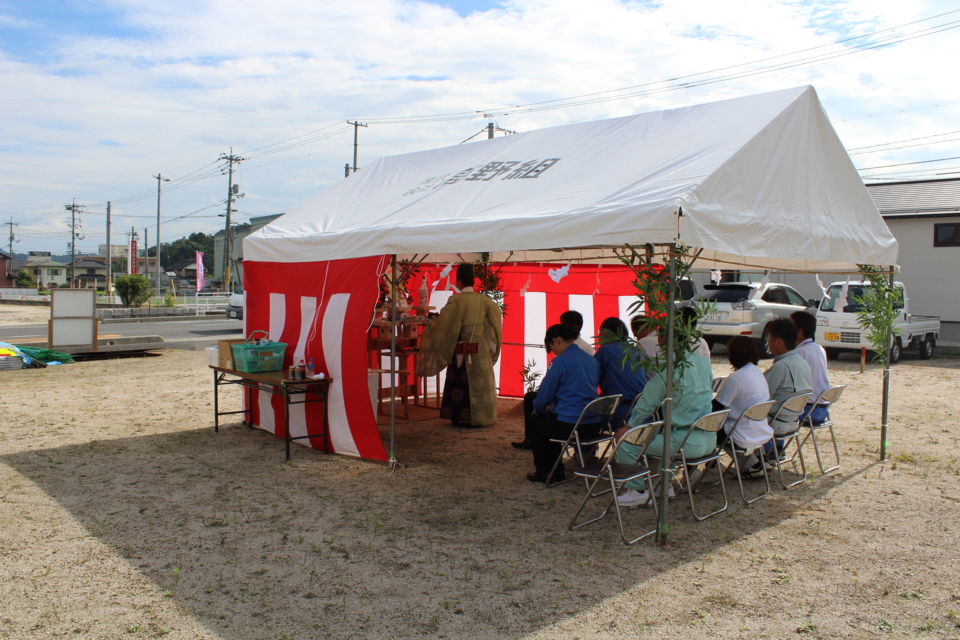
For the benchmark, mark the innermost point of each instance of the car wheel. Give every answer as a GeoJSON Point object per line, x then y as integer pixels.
{"type": "Point", "coordinates": [926, 347]}
{"type": "Point", "coordinates": [833, 354]}
{"type": "Point", "coordinates": [710, 342]}
{"type": "Point", "coordinates": [895, 349]}
{"type": "Point", "coordinates": [762, 345]}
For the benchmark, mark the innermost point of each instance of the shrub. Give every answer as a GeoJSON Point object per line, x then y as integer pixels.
{"type": "Point", "coordinates": [23, 280]}
{"type": "Point", "coordinates": [133, 290]}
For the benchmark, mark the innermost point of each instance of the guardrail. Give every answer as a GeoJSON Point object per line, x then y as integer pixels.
{"type": "Point", "coordinates": [204, 302]}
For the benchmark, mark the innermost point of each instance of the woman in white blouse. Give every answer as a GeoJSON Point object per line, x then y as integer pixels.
{"type": "Point", "coordinates": [744, 388]}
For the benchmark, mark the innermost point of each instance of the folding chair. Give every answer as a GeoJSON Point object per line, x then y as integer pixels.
{"type": "Point", "coordinates": [758, 411]}
{"type": "Point", "coordinates": [830, 395]}
{"type": "Point", "coordinates": [626, 416]}
{"type": "Point", "coordinates": [617, 474]}
{"type": "Point", "coordinates": [718, 384]}
{"type": "Point", "coordinates": [603, 407]}
{"type": "Point", "coordinates": [782, 441]}
{"type": "Point", "coordinates": [711, 422]}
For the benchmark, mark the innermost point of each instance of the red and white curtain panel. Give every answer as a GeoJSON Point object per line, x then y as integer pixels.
{"type": "Point", "coordinates": [321, 310]}
{"type": "Point", "coordinates": [324, 310]}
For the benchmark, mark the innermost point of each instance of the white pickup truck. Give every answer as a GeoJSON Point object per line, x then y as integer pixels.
{"type": "Point", "coordinates": [839, 330]}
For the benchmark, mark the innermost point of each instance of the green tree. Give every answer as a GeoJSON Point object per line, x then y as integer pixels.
{"type": "Point", "coordinates": [185, 249]}
{"type": "Point", "coordinates": [133, 290]}
{"type": "Point", "coordinates": [651, 284]}
{"type": "Point", "coordinates": [23, 279]}
{"type": "Point", "coordinates": [878, 309]}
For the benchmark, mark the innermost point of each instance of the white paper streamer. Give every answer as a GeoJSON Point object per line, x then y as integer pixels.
{"type": "Point", "coordinates": [559, 274]}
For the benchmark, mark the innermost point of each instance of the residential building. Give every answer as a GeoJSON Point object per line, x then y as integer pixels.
{"type": "Point", "coordinates": [90, 272]}
{"type": "Point", "coordinates": [924, 216]}
{"type": "Point", "coordinates": [7, 275]}
{"type": "Point", "coordinates": [47, 272]}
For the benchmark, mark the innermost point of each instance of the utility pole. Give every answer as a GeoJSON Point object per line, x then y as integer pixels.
{"type": "Point", "coordinates": [160, 180]}
{"type": "Point", "coordinates": [73, 209]}
{"type": "Point", "coordinates": [226, 234]}
{"type": "Point", "coordinates": [346, 170]}
{"type": "Point", "coordinates": [108, 286]}
{"type": "Point", "coordinates": [11, 225]}
{"type": "Point", "coordinates": [490, 131]}
{"type": "Point", "coordinates": [356, 129]}
{"type": "Point", "coordinates": [146, 258]}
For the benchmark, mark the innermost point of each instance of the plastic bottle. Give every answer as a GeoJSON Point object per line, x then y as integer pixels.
{"type": "Point", "coordinates": [310, 370]}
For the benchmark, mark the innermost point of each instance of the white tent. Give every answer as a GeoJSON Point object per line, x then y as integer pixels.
{"type": "Point", "coordinates": [761, 181]}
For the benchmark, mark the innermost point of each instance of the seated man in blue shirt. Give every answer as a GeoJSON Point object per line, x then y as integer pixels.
{"type": "Point", "coordinates": [620, 370]}
{"type": "Point", "coordinates": [569, 385]}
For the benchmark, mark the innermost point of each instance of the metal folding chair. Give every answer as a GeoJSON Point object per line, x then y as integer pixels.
{"type": "Point", "coordinates": [711, 422]}
{"type": "Point", "coordinates": [758, 411]}
{"type": "Point", "coordinates": [830, 395]}
{"type": "Point", "coordinates": [603, 407]}
{"type": "Point", "coordinates": [626, 416]}
{"type": "Point", "coordinates": [615, 474]}
{"type": "Point", "coordinates": [718, 384]}
{"type": "Point", "coordinates": [782, 441]}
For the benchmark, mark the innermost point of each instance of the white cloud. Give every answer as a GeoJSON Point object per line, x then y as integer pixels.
{"type": "Point", "coordinates": [97, 116]}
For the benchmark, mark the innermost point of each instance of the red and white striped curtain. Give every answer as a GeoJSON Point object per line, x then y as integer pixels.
{"type": "Point", "coordinates": [324, 310]}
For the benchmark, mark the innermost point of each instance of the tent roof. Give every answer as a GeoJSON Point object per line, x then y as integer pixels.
{"type": "Point", "coordinates": [761, 180]}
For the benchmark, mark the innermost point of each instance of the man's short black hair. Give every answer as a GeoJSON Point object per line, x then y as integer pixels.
{"type": "Point", "coordinates": [785, 330]}
{"type": "Point", "coordinates": [572, 318]}
{"type": "Point", "coordinates": [636, 323]}
{"type": "Point", "coordinates": [465, 274]}
{"type": "Point", "coordinates": [806, 322]}
{"type": "Point", "coordinates": [613, 329]}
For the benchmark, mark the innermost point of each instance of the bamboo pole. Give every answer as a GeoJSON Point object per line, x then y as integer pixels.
{"type": "Point", "coordinates": [393, 360]}
{"type": "Point", "coordinates": [666, 471]}
{"type": "Point", "coordinates": [885, 403]}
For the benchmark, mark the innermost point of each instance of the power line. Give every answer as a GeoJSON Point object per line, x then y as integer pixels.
{"type": "Point", "coordinates": [649, 87]}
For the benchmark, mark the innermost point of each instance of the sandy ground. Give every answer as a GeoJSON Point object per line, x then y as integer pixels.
{"type": "Point", "coordinates": [17, 314]}
{"type": "Point", "coordinates": [123, 515]}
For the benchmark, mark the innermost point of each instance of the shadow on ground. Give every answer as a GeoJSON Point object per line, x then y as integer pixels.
{"type": "Point", "coordinates": [456, 544]}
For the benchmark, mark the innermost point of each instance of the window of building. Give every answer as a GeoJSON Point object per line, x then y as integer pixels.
{"type": "Point", "coordinates": [53, 272]}
{"type": "Point", "coordinates": [946, 235]}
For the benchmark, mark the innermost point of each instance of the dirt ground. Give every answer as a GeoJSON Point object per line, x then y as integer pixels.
{"type": "Point", "coordinates": [123, 515]}
{"type": "Point", "coordinates": [16, 314]}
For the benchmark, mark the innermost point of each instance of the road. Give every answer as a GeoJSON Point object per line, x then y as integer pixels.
{"type": "Point", "coordinates": [189, 334]}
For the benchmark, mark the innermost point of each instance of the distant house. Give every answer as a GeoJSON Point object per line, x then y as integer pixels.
{"type": "Point", "coordinates": [7, 274]}
{"type": "Point", "coordinates": [924, 215]}
{"type": "Point", "coordinates": [47, 272]}
{"type": "Point", "coordinates": [185, 269]}
{"type": "Point", "coordinates": [90, 272]}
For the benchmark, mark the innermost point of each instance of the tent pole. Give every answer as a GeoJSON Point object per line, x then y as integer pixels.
{"type": "Point", "coordinates": [886, 381]}
{"type": "Point", "coordinates": [666, 472]}
{"type": "Point", "coordinates": [393, 360]}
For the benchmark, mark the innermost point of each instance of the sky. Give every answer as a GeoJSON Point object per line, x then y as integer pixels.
{"type": "Point", "coordinates": [98, 97]}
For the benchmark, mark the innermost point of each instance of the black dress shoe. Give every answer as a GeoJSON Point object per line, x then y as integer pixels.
{"type": "Point", "coordinates": [523, 444]}
{"type": "Point", "coordinates": [542, 477]}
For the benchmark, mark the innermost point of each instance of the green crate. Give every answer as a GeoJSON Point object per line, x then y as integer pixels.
{"type": "Point", "coordinates": [251, 357]}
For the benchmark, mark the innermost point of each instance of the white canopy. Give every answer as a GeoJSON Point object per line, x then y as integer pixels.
{"type": "Point", "coordinates": [761, 180]}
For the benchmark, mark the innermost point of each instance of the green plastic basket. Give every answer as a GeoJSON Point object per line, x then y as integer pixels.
{"type": "Point", "coordinates": [255, 357]}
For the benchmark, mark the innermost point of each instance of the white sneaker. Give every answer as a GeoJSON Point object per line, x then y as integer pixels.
{"type": "Point", "coordinates": [633, 498]}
